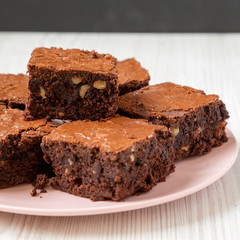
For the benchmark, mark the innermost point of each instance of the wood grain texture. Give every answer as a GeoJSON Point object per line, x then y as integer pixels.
{"type": "Point", "coordinates": [207, 61]}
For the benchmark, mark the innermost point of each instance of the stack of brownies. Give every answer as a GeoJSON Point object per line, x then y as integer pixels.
{"type": "Point", "coordinates": [122, 136]}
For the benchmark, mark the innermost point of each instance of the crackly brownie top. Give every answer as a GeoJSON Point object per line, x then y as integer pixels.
{"type": "Point", "coordinates": [72, 59]}
{"type": "Point", "coordinates": [13, 87]}
{"type": "Point", "coordinates": [12, 123]}
{"type": "Point", "coordinates": [112, 134]}
{"type": "Point", "coordinates": [131, 70]}
{"type": "Point", "coordinates": [167, 99]}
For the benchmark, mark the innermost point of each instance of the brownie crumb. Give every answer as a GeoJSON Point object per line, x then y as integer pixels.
{"type": "Point", "coordinates": [33, 192]}
{"type": "Point", "coordinates": [40, 183]}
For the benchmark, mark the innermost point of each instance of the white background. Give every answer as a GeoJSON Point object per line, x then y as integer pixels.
{"type": "Point", "coordinates": [206, 61]}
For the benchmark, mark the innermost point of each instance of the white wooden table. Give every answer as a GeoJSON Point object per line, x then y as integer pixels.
{"type": "Point", "coordinates": [207, 61]}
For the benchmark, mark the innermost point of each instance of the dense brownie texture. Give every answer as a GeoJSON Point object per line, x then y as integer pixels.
{"type": "Point", "coordinates": [21, 157]}
{"type": "Point", "coordinates": [110, 159]}
{"type": "Point", "coordinates": [13, 90]}
{"type": "Point", "coordinates": [71, 84]}
{"type": "Point", "coordinates": [196, 120]}
{"type": "Point", "coordinates": [2, 108]}
{"type": "Point", "coordinates": [131, 76]}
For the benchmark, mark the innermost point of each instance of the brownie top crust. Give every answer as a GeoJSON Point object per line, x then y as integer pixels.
{"type": "Point", "coordinates": [72, 59]}
{"type": "Point", "coordinates": [111, 135]}
{"type": "Point", "coordinates": [13, 87]}
{"type": "Point", "coordinates": [131, 70]}
{"type": "Point", "coordinates": [167, 99]}
{"type": "Point", "coordinates": [12, 122]}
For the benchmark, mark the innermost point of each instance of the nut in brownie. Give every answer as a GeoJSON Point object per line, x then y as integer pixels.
{"type": "Point", "coordinates": [71, 84]}
{"type": "Point", "coordinates": [196, 120]}
{"type": "Point", "coordinates": [109, 159]}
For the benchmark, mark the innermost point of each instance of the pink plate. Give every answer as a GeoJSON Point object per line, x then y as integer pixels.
{"type": "Point", "coordinates": [192, 175]}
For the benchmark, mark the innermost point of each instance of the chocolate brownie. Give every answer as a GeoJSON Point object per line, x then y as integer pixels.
{"type": "Point", "coordinates": [108, 159]}
{"type": "Point", "coordinates": [2, 108]}
{"type": "Point", "coordinates": [131, 76]}
{"type": "Point", "coordinates": [71, 84]}
{"type": "Point", "coordinates": [21, 157]}
{"type": "Point", "coordinates": [13, 90]}
{"type": "Point", "coordinates": [196, 120]}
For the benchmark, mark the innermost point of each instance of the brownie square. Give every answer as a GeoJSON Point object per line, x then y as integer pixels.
{"type": "Point", "coordinates": [71, 84]}
{"type": "Point", "coordinates": [196, 120]}
{"type": "Point", "coordinates": [131, 76]}
{"type": "Point", "coordinates": [108, 159]}
{"type": "Point", "coordinates": [13, 90]}
{"type": "Point", "coordinates": [21, 157]}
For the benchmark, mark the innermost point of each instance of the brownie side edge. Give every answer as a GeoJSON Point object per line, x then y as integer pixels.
{"type": "Point", "coordinates": [60, 98]}
{"type": "Point", "coordinates": [132, 86]}
{"type": "Point", "coordinates": [22, 158]}
{"type": "Point", "coordinates": [191, 127]}
{"type": "Point", "coordinates": [100, 175]}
